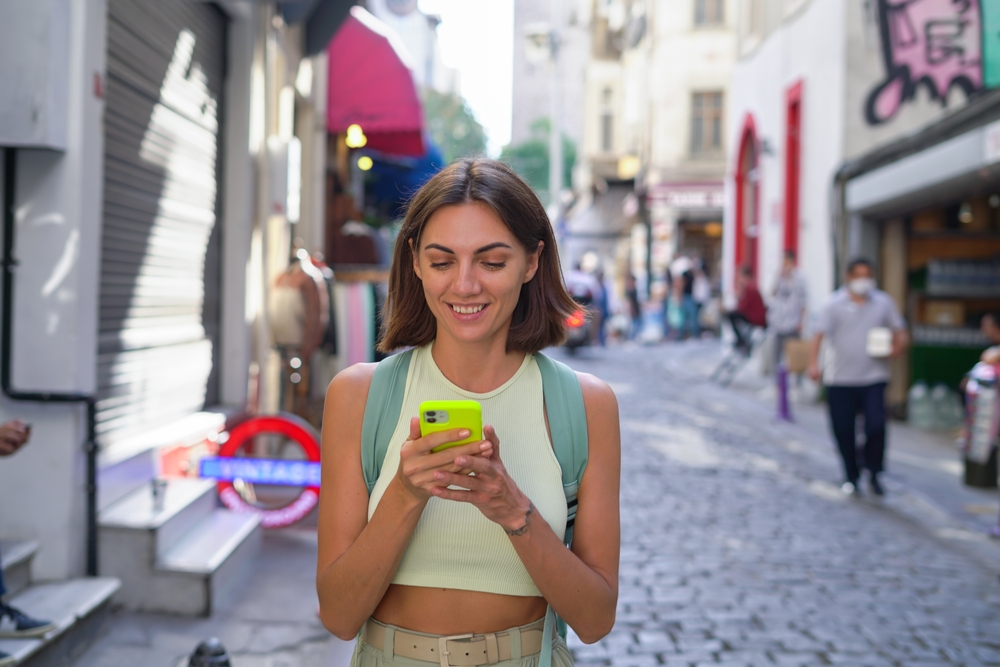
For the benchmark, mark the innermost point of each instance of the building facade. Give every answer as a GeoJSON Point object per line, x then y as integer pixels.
{"type": "Point", "coordinates": [656, 108]}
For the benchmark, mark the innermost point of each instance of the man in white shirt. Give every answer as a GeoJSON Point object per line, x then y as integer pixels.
{"type": "Point", "coordinates": [857, 372]}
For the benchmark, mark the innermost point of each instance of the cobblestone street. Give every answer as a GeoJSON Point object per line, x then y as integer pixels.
{"type": "Point", "coordinates": [739, 548]}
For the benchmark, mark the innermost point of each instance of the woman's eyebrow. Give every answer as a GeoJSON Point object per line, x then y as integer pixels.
{"type": "Point", "coordinates": [485, 248]}
{"type": "Point", "coordinates": [492, 246]}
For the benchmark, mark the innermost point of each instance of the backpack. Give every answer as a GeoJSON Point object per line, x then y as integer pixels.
{"type": "Point", "coordinates": [567, 423]}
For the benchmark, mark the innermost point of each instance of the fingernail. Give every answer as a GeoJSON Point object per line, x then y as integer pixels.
{"type": "Point", "coordinates": [464, 433]}
{"type": "Point", "coordinates": [439, 475]}
{"type": "Point", "coordinates": [461, 461]}
{"type": "Point", "coordinates": [486, 445]}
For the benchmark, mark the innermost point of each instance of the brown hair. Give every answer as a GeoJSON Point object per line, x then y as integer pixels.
{"type": "Point", "coordinates": [543, 306]}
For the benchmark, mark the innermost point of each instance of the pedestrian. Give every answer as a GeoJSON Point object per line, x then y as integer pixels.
{"type": "Point", "coordinates": [15, 624]}
{"type": "Point", "coordinates": [864, 329]}
{"type": "Point", "coordinates": [688, 306]}
{"type": "Point", "coordinates": [603, 308]}
{"type": "Point", "coordinates": [787, 311]}
{"type": "Point", "coordinates": [462, 549]}
{"type": "Point", "coordinates": [750, 309]}
{"type": "Point", "coordinates": [635, 309]}
{"type": "Point", "coordinates": [701, 292]}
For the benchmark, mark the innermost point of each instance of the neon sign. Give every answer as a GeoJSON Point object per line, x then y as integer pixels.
{"type": "Point", "coordinates": [228, 467]}
{"type": "Point", "coordinates": [261, 471]}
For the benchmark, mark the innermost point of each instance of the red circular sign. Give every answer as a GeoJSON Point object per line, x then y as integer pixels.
{"type": "Point", "coordinates": [292, 427]}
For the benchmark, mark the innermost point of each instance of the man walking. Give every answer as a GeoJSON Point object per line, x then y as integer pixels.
{"type": "Point", "coordinates": [787, 313]}
{"type": "Point", "coordinates": [864, 329]}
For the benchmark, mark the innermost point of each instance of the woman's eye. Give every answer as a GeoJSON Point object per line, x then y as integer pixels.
{"type": "Point", "coordinates": [496, 266]}
{"type": "Point", "coordinates": [440, 265]}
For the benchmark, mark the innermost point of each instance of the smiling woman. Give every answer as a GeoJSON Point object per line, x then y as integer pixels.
{"type": "Point", "coordinates": [458, 557]}
{"type": "Point", "coordinates": [480, 209]}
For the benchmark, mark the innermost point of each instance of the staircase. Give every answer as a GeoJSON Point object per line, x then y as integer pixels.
{"type": "Point", "coordinates": [78, 607]}
{"type": "Point", "coordinates": [180, 555]}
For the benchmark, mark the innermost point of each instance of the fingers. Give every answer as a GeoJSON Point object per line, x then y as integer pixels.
{"type": "Point", "coordinates": [428, 442]}
{"type": "Point", "coordinates": [6, 448]}
{"type": "Point", "coordinates": [414, 428]}
{"type": "Point", "coordinates": [490, 434]}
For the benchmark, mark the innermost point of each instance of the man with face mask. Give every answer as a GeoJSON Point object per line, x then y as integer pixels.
{"type": "Point", "coordinates": [864, 329]}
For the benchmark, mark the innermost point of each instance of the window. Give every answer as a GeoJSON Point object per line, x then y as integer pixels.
{"type": "Point", "coordinates": [607, 121]}
{"type": "Point", "coordinates": [706, 123]}
{"type": "Point", "coordinates": [708, 12]}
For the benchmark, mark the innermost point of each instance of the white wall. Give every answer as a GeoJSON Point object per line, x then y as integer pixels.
{"type": "Point", "coordinates": [59, 210]}
{"type": "Point", "coordinates": [237, 211]}
{"type": "Point", "coordinates": [809, 48]}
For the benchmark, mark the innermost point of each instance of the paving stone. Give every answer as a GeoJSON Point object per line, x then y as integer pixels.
{"type": "Point", "coordinates": [731, 553]}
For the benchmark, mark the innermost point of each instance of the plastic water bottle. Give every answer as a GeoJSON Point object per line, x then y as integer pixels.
{"type": "Point", "coordinates": [919, 409]}
{"type": "Point", "coordinates": [947, 408]}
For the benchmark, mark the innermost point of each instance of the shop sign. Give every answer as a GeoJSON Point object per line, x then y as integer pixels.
{"type": "Point", "coordinates": [688, 195]}
{"type": "Point", "coordinates": [229, 466]}
{"type": "Point", "coordinates": [991, 143]}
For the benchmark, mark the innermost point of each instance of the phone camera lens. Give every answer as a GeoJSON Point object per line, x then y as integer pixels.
{"type": "Point", "coordinates": [430, 413]}
{"type": "Point", "coordinates": [431, 420]}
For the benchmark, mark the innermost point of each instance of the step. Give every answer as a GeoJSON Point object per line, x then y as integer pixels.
{"type": "Point", "coordinates": [15, 558]}
{"type": "Point", "coordinates": [78, 607]}
{"type": "Point", "coordinates": [197, 570]}
{"type": "Point", "coordinates": [185, 502]}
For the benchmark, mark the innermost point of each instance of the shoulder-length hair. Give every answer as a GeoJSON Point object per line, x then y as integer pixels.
{"type": "Point", "coordinates": [543, 306]}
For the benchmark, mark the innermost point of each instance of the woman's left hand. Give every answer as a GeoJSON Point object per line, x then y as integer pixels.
{"type": "Point", "coordinates": [490, 487]}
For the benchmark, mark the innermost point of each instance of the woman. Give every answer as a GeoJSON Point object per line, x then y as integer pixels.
{"type": "Point", "coordinates": [475, 286]}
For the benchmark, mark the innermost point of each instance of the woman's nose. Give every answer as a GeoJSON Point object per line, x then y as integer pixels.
{"type": "Point", "coordinates": [468, 282]}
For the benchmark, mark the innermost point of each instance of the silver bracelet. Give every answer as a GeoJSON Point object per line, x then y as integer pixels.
{"type": "Point", "coordinates": [527, 522]}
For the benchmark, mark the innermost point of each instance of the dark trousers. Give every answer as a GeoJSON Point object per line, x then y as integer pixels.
{"type": "Point", "coordinates": [3, 589]}
{"type": "Point", "coordinates": [741, 327]}
{"type": "Point", "coordinates": [845, 404]}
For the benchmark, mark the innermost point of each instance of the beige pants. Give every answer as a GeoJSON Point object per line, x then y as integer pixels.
{"type": "Point", "coordinates": [366, 655]}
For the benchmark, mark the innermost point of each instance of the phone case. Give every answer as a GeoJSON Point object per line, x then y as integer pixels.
{"type": "Point", "coordinates": [438, 416]}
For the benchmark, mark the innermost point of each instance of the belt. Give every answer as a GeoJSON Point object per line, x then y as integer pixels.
{"type": "Point", "coordinates": [466, 650]}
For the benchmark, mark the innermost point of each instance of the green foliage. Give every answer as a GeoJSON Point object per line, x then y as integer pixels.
{"type": "Point", "coordinates": [452, 126]}
{"type": "Point", "coordinates": [530, 158]}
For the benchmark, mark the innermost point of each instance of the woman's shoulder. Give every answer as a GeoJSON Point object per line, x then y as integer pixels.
{"type": "Point", "coordinates": [352, 382]}
{"type": "Point", "coordinates": [597, 394]}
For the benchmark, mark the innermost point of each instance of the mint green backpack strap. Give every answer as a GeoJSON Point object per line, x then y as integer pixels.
{"type": "Point", "coordinates": [568, 425]}
{"type": "Point", "coordinates": [385, 401]}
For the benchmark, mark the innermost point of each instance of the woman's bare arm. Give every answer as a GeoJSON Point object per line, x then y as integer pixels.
{"type": "Point", "coordinates": [581, 585]}
{"type": "Point", "coordinates": [357, 559]}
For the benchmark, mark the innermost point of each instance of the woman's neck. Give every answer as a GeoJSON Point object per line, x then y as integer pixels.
{"type": "Point", "coordinates": [477, 367]}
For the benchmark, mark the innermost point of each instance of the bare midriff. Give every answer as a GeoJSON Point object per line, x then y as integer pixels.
{"type": "Point", "coordinates": [448, 611]}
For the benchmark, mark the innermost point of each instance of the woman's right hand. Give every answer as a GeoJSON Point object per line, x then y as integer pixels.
{"type": "Point", "coordinates": [417, 463]}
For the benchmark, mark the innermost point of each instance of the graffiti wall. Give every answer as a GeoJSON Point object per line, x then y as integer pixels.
{"type": "Point", "coordinates": [935, 44]}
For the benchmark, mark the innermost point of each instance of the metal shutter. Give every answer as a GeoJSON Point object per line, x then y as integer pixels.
{"type": "Point", "coordinates": [160, 245]}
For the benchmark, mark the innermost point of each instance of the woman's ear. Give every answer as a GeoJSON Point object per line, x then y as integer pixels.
{"type": "Point", "coordinates": [416, 260]}
{"type": "Point", "coordinates": [533, 259]}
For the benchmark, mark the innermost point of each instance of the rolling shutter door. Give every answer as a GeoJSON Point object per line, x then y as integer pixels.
{"type": "Point", "coordinates": [160, 242]}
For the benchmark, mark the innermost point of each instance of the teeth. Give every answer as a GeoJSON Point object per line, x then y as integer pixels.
{"type": "Point", "coordinates": [467, 310]}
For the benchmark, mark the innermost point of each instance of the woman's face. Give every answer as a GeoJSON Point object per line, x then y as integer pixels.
{"type": "Point", "coordinates": [472, 268]}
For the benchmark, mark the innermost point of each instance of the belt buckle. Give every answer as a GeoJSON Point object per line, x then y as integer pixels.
{"type": "Point", "coordinates": [443, 651]}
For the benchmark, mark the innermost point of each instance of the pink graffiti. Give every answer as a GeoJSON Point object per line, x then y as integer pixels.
{"type": "Point", "coordinates": [934, 43]}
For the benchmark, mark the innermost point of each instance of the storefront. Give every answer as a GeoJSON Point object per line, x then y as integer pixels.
{"type": "Point", "coordinates": [926, 210]}
{"type": "Point", "coordinates": [687, 220]}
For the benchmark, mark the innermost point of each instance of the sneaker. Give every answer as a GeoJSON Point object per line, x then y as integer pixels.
{"type": "Point", "coordinates": [850, 489]}
{"type": "Point", "coordinates": [15, 624]}
{"type": "Point", "coordinates": [6, 659]}
{"type": "Point", "coordinates": [875, 486]}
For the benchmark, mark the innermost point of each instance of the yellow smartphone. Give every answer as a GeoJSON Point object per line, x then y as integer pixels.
{"type": "Point", "coordinates": [436, 416]}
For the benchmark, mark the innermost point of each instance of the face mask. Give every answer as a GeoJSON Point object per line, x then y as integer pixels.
{"type": "Point", "coordinates": [861, 286]}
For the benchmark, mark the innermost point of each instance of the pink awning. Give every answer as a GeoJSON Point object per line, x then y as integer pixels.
{"type": "Point", "coordinates": [371, 85]}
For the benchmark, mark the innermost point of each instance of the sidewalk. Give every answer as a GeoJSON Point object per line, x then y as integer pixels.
{"type": "Point", "coordinates": [923, 477]}
{"type": "Point", "coordinates": [271, 622]}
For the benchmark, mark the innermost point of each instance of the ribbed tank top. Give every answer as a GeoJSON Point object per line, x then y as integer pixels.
{"type": "Point", "coordinates": [454, 545]}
